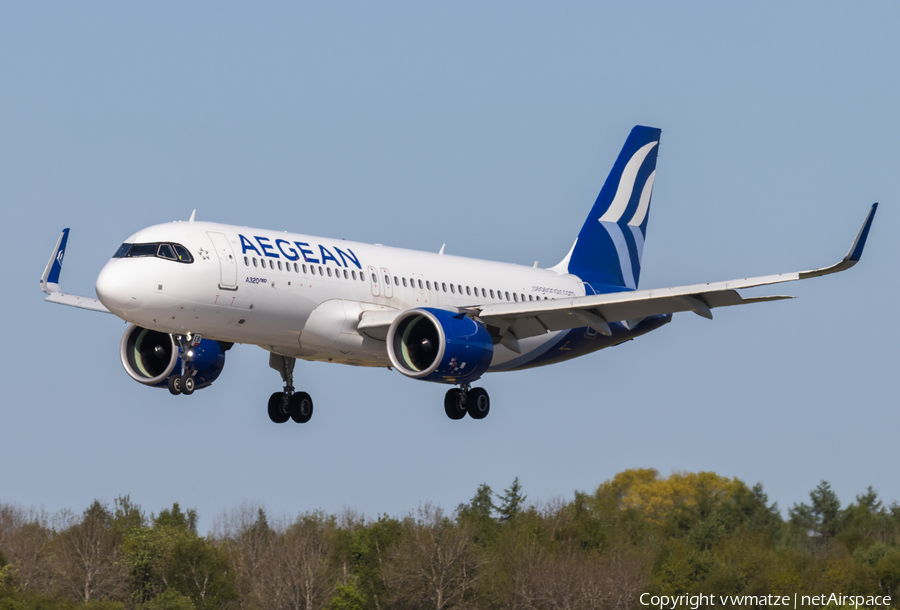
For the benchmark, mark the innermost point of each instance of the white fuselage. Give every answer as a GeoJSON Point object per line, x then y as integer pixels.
{"type": "Point", "coordinates": [302, 296]}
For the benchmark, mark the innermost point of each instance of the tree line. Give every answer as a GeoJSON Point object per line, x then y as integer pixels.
{"type": "Point", "coordinates": [638, 532]}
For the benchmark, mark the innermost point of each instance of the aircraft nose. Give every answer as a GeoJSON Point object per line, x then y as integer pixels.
{"type": "Point", "coordinates": [115, 288]}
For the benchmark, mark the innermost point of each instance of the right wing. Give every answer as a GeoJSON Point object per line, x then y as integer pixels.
{"type": "Point", "coordinates": [50, 280]}
{"type": "Point", "coordinates": [516, 321]}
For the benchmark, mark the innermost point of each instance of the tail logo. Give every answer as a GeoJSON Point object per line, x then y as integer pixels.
{"type": "Point", "coordinates": [626, 187]}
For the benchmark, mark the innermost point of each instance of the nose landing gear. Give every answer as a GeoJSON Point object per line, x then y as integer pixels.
{"type": "Point", "coordinates": [462, 400]}
{"type": "Point", "coordinates": [185, 383]}
{"type": "Point", "coordinates": [288, 404]}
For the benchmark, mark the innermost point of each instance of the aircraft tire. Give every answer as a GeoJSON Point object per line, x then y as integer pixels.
{"type": "Point", "coordinates": [275, 413]}
{"type": "Point", "coordinates": [187, 385]}
{"type": "Point", "coordinates": [174, 385]}
{"type": "Point", "coordinates": [479, 403]}
{"type": "Point", "coordinates": [301, 407]}
{"type": "Point", "coordinates": [451, 404]}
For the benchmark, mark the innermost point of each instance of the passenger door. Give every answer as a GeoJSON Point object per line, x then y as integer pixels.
{"type": "Point", "coordinates": [227, 264]}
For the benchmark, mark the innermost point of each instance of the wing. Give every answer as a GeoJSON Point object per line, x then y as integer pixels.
{"type": "Point", "coordinates": [50, 280]}
{"type": "Point", "coordinates": [519, 320]}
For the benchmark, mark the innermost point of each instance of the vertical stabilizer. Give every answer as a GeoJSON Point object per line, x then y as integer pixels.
{"type": "Point", "coordinates": [607, 253]}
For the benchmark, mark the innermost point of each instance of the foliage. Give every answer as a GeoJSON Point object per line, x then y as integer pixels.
{"type": "Point", "coordinates": [637, 532]}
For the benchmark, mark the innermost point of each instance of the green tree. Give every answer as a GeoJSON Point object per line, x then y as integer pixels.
{"type": "Point", "coordinates": [511, 502]}
{"type": "Point", "coordinates": [822, 516]}
{"type": "Point", "coordinates": [347, 597]}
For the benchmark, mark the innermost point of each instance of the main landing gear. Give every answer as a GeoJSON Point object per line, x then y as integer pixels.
{"type": "Point", "coordinates": [185, 383]}
{"type": "Point", "coordinates": [462, 400]}
{"type": "Point", "coordinates": [288, 404]}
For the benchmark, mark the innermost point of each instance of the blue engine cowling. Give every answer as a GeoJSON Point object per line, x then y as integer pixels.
{"type": "Point", "coordinates": [151, 357]}
{"type": "Point", "coordinates": [441, 346]}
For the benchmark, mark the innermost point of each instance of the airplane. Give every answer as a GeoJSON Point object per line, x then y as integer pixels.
{"type": "Point", "coordinates": [191, 290]}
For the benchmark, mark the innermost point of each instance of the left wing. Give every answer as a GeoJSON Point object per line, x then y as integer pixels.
{"type": "Point", "coordinates": [519, 320]}
{"type": "Point", "coordinates": [50, 280]}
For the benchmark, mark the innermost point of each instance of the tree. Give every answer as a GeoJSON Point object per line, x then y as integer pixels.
{"type": "Point", "coordinates": [434, 562]}
{"type": "Point", "coordinates": [823, 517]}
{"type": "Point", "coordinates": [511, 502]}
{"type": "Point", "coordinates": [248, 543]}
{"type": "Point", "coordinates": [87, 555]}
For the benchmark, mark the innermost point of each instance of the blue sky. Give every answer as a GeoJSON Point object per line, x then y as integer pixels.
{"type": "Point", "coordinates": [490, 129]}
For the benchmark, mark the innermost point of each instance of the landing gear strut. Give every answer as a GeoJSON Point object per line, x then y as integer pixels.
{"type": "Point", "coordinates": [462, 400]}
{"type": "Point", "coordinates": [288, 404]}
{"type": "Point", "coordinates": [185, 383]}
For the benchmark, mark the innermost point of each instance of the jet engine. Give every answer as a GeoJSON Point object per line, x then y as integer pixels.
{"type": "Point", "coordinates": [151, 357]}
{"type": "Point", "coordinates": [438, 345]}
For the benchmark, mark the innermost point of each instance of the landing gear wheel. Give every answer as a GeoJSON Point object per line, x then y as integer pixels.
{"type": "Point", "coordinates": [187, 385]}
{"type": "Point", "coordinates": [174, 384]}
{"type": "Point", "coordinates": [478, 404]}
{"type": "Point", "coordinates": [276, 413]}
{"type": "Point", "coordinates": [301, 407]}
{"type": "Point", "coordinates": [451, 404]}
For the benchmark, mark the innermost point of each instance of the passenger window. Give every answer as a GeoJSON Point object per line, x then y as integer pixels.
{"type": "Point", "coordinates": [246, 261]}
{"type": "Point", "coordinates": [427, 283]}
{"type": "Point", "coordinates": [484, 294]}
{"type": "Point", "coordinates": [353, 273]}
{"type": "Point", "coordinates": [387, 281]}
{"type": "Point", "coordinates": [304, 269]}
{"type": "Point", "coordinates": [362, 277]}
{"type": "Point", "coordinates": [515, 297]}
{"type": "Point", "coordinates": [529, 298]}
{"type": "Point", "coordinates": [404, 282]}
{"type": "Point", "coordinates": [346, 277]}
{"type": "Point", "coordinates": [507, 296]}
{"type": "Point", "coordinates": [396, 281]}
{"type": "Point", "coordinates": [523, 298]}
{"type": "Point", "coordinates": [468, 291]}
{"type": "Point", "coordinates": [444, 286]}
{"type": "Point", "coordinates": [492, 294]}
{"type": "Point", "coordinates": [271, 264]}
{"type": "Point", "coordinates": [166, 251]}
{"type": "Point", "coordinates": [459, 287]}
{"type": "Point", "coordinates": [374, 279]}
{"type": "Point", "coordinates": [254, 261]}
{"type": "Point", "coordinates": [312, 269]}
{"type": "Point", "coordinates": [328, 269]}
{"type": "Point", "coordinates": [279, 266]}
{"type": "Point", "coordinates": [420, 284]}
{"type": "Point", "coordinates": [452, 289]}
{"type": "Point", "coordinates": [296, 268]}
{"type": "Point", "coordinates": [322, 271]}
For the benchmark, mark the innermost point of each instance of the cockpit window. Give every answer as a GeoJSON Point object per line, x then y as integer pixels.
{"type": "Point", "coordinates": [183, 255]}
{"type": "Point", "coordinates": [166, 251]}
{"type": "Point", "coordinates": [142, 250]}
{"type": "Point", "coordinates": [172, 252]}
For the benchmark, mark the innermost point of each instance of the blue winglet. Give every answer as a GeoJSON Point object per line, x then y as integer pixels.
{"type": "Point", "coordinates": [857, 249]}
{"type": "Point", "coordinates": [50, 278]}
{"type": "Point", "coordinates": [53, 278]}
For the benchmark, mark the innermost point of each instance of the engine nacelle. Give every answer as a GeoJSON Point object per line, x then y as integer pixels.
{"type": "Point", "coordinates": [151, 357]}
{"type": "Point", "coordinates": [437, 345]}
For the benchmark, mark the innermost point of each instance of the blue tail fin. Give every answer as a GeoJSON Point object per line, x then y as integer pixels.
{"type": "Point", "coordinates": [607, 253]}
